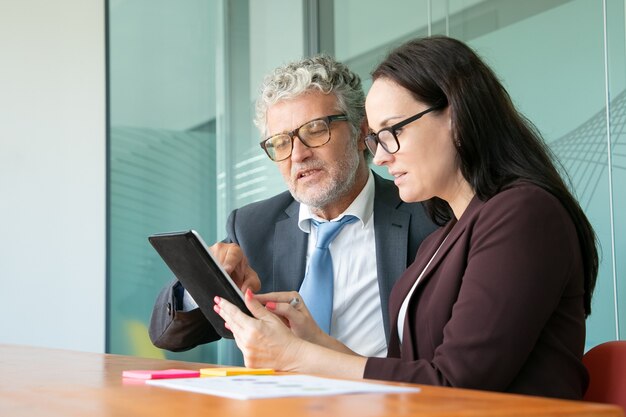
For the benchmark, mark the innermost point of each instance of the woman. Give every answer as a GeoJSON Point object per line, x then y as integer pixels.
{"type": "Point", "coordinates": [497, 298]}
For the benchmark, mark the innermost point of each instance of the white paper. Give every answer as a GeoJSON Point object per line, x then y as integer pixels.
{"type": "Point", "coordinates": [246, 387]}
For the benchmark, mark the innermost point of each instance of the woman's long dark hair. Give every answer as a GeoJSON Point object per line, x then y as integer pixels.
{"type": "Point", "coordinates": [496, 144]}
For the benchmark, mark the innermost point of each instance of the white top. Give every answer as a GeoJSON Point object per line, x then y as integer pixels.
{"type": "Point", "coordinates": [357, 319]}
{"type": "Point", "coordinates": [405, 303]}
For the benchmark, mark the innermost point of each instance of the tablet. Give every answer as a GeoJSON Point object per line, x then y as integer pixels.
{"type": "Point", "coordinates": [186, 254]}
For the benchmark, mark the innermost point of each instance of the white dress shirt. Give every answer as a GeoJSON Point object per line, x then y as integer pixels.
{"type": "Point", "coordinates": [357, 319]}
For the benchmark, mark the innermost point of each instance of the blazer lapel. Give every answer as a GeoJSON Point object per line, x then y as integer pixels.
{"type": "Point", "coordinates": [453, 230]}
{"type": "Point", "coordinates": [289, 239]}
{"type": "Point", "coordinates": [404, 285]}
{"type": "Point", "coordinates": [391, 236]}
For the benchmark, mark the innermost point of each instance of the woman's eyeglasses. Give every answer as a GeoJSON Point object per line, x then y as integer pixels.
{"type": "Point", "coordinates": [387, 137]}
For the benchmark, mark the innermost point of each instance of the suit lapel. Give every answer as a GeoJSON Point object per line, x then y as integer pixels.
{"type": "Point", "coordinates": [289, 239]}
{"type": "Point", "coordinates": [391, 235]}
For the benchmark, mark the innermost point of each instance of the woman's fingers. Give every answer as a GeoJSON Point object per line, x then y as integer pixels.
{"type": "Point", "coordinates": [235, 320]}
{"type": "Point", "coordinates": [263, 339]}
{"type": "Point", "coordinates": [278, 297]}
{"type": "Point", "coordinates": [257, 309]}
{"type": "Point", "coordinates": [285, 310]}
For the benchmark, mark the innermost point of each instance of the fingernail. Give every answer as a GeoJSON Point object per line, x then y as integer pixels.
{"type": "Point", "coordinates": [270, 305]}
{"type": "Point", "coordinates": [216, 308]}
{"type": "Point", "coordinates": [226, 325]}
{"type": "Point", "coordinates": [249, 294]}
{"type": "Point", "coordinates": [217, 299]}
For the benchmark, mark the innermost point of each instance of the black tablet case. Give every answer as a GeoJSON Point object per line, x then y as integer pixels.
{"type": "Point", "coordinates": [193, 265]}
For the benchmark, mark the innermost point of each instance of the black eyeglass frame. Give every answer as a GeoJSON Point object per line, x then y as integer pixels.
{"type": "Point", "coordinates": [373, 137]}
{"type": "Point", "coordinates": [295, 133]}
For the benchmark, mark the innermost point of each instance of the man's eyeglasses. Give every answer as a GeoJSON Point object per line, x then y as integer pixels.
{"type": "Point", "coordinates": [312, 134]}
{"type": "Point", "coordinates": [387, 137]}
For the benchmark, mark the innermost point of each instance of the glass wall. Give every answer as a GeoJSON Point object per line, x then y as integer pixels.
{"type": "Point", "coordinates": [563, 75]}
{"type": "Point", "coordinates": [162, 152]}
{"type": "Point", "coordinates": [184, 151]}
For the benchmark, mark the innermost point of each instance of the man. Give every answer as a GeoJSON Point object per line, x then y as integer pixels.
{"type": "Point", "coordinates": [311, 114]}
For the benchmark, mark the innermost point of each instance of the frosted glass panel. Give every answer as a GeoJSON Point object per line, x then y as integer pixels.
{"type": "Point", "coordinates": [616, 29]}
{"type": "Point", "coordinates": [183, 148]}
{"type": "Point", "coordinates": [162, 164]}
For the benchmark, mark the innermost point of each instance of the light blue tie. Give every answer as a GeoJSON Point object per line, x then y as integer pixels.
{"type": "Point", "coordinates": [317, 287]}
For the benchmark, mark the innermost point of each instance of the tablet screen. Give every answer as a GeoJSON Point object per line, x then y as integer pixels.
{"type": "Point", "coordinates": [188, 257]}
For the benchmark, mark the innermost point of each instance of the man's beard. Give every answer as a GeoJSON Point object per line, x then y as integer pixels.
{"type": "Point", "coordinates": [339, 184]}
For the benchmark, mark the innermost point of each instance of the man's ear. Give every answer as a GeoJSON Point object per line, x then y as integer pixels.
{"type": "Point", "coordinates": [363, 131]}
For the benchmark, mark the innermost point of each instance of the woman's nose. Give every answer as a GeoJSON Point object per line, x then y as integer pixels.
{"type": "Point", "coordinates": [381, 156]}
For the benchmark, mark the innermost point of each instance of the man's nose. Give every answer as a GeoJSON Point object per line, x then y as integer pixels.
{"type": "Point", "coordinates": [300, 151]}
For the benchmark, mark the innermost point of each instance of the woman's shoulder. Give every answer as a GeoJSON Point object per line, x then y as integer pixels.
{"type": "Point", "coordinates": [524, 195]}
{"type": "Point", "coordinates": [524, 204]}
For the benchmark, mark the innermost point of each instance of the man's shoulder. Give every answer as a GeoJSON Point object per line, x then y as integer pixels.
{"type": "Point", "coordinates": [269, 206]}
{"type": "Point", "coordinates": [256, 222]}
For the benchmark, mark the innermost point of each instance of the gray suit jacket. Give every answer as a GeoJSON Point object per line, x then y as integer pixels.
{"type": "Point", "coordinates": [268, 233]}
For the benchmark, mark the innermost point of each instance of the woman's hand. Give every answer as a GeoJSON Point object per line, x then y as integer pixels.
{"type": "Point", "coordinates": [265, 341]}
{"type": "Point", "coordinates": [290, 306]}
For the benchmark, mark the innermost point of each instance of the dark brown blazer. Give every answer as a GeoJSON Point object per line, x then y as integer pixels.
{"type": "Point", "coordinates": [500, 307]}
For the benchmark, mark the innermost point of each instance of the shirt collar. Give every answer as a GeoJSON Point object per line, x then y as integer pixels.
{"type": "Point", "coordinates": [362, 207]}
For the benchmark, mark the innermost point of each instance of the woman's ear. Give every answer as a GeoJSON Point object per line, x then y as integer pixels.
{"type": "Point", "coordinates": [448, 114]}
{"type": "Point", "coordinates": [453, 134]}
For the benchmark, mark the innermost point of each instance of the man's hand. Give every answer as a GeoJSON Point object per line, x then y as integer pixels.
{"type": "Point", "coordinates": [233, 260]}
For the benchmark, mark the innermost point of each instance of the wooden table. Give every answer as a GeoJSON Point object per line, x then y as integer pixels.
{"type": "Point", "coordinates": [40, 382]}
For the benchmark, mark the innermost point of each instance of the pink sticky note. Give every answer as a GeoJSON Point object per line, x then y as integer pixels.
{"type": "Point", "coordinates": [161, 373]}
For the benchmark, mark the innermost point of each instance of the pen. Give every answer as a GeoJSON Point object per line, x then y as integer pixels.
{"type": "Point", "coordinates": [294, 302]}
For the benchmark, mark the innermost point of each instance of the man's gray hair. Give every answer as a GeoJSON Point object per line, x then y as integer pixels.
{"type": "Point", "coordinates": [320, 72]}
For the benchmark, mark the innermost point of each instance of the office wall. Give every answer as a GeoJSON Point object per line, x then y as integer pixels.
{"type": "Point", "coordinates": [52, 173]}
